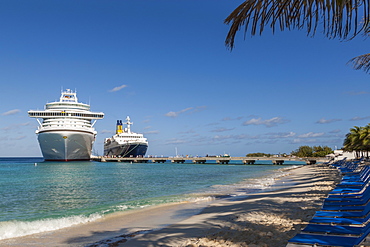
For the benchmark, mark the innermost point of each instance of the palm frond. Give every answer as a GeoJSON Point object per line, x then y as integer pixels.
{"type": "Point", "coordinates": [338, 18]}
{"type": "Point", "coordinates": [361, 62]}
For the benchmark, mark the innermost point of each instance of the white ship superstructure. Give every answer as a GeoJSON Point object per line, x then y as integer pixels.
{"type": "Point", "coordinates": [66, 131]}
{"type": "Point", "coordinates": [125, 143]}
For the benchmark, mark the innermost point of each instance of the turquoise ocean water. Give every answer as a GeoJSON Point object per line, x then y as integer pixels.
{"type": "Point", "coordinates": [37, 196]}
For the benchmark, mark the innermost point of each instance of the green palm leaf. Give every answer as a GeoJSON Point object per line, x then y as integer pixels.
{"type": "Point", "coordinates": [361, 62]}
{"type": "Point", "coordinates": [338, 18]}
{"type": "Point", "coordinates": [343, 19]}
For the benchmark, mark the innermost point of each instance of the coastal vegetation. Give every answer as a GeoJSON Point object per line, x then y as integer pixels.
{"type": "Point", "coordinates": [342, 19]}
{"type": "Point", "coordinates": [258, 155]}
{"type": "Point", "coordinates": [358, 141]}
{"type": "Point", "coordinates": [302, 151]}
{"type": "Point", "coordinates": [315, 151]}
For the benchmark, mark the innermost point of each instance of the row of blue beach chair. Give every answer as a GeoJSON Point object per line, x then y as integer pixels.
{"type": "Point", "coordinates": [345, 215]}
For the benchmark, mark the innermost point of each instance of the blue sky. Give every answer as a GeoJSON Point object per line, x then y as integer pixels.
{"type": "Point", "coordinates": [164, 63]}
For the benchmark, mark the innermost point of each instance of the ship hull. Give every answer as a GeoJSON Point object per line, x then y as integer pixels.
{"type": "Point", "coordinates": [66, 145]}
{"type": "Point", "coordinates": [126, 150]}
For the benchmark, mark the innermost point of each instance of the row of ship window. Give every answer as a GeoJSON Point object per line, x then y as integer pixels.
{"type": "Point", "coordinates": [63, 125]}
{"type": "Point", "coordinates": [130, 137]}
{"type": "Point", "coordinates": [63, 105]}
{"type": "Point", "coordinates": [69, 123]}
{"type": "Point", "coordinates": [63, 114]}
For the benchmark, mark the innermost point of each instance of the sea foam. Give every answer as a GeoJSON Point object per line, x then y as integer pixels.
{"type": "Point", "coordinates": [251, 185]}
{"type": "Point", "coordinates": [12, 229]}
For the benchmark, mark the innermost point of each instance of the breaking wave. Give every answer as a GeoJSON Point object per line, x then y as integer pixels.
{"type": "Point", "coordinates": [12, 229]}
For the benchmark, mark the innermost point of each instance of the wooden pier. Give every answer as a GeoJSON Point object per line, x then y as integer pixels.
{"type": "Point", "coordinates": [204, 160]}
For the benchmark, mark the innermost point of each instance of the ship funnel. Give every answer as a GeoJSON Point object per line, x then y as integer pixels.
{"type": "Point", "coordinates": [119, 127]}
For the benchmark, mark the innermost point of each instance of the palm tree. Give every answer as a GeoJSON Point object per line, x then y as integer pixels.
{"type": "Point", "coordinates": [353, 142]}
{"type": "Point", "coordinates": [365, 139]}
{"type": "Point", "coordinates": [343, 19]}
{"type": "Point", "coordinates": [358, 140]}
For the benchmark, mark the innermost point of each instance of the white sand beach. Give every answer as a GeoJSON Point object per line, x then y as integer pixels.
{"type": "Point", "coordinates": [262, 219]}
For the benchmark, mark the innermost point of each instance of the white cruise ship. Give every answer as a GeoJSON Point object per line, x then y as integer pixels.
{"type": "Point", "coordinates": [125, 143]}
{"type": "Point", "coordinates": [67, 131]}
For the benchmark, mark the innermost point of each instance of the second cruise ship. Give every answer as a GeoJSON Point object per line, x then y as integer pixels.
{"type": "Point", "coordinates": [66, 132]}
{"type": "Point", "coordinates": [125, 143]}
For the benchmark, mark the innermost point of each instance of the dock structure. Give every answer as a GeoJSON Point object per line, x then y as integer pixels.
{"type": "Point", "coordinates": [204, 160]}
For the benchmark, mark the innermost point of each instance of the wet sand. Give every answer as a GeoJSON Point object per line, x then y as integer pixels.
{"type": "Point", "coordinates": [110, 228]}
{"type": "Point", "coordinates": [261, 219]}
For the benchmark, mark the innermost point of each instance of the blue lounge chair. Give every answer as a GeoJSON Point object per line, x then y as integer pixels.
{"type": "Point", "coordinates": [360, 175]}
{"type": "Point", "coordinates": [355, 187]}
{"type": "Point", "coordinates": [332, 235]}
{"type": "Point", "coordinates": [344, 208]}
{"type": "Point", "coordinates": [358, 193]}
{"type": "Point", "coordinates": [344, 214]}
{"type": "Point", "coordinates": [347, 167]}
{"type": "Point", "coordinates": [328, 240]}
{"type": "Point", "coordinates": [348, 202]}
{"type": "Point", "coordinates": [335, 229]}
{"type": "Point", "coordinates": [364, 196]}
{"type": "Point", "coordinates": [347, 190]}
{"type": "Point", "coordinates": [341, 221]}
{"type": "Point", "coordinates": [355, 180]}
